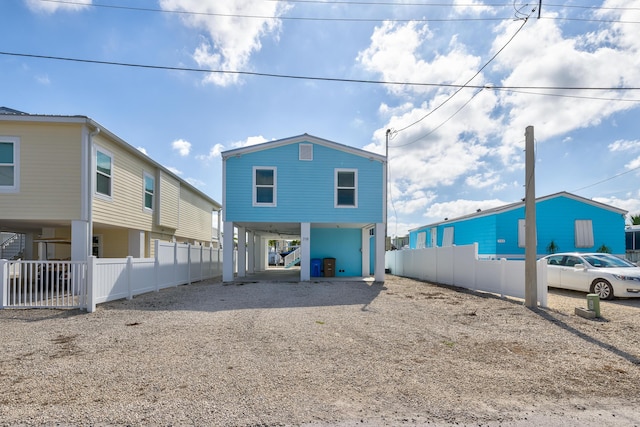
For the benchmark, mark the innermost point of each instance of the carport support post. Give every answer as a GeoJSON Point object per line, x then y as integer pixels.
{"type": "Point", "coordinates": [305, 252]}
{"type": "Point", "coordinates": [227, 252]}
{"type": "Point", "coordinates": [530, 272]}
{"type": "Point", "coordinates": [242, 252]}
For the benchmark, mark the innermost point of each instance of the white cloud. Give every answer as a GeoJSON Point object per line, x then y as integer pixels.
{"type": "Point", "coordinates": [213, 153]}
{"type": "Point", "coordinates": [182, 147]}
{"type": "Point", "coordinates": [457, 208]}
{"type": "Point", "coordinates": [474, 7]}
{"type": "Point", "coordinates": [174, 170]}
{"type": "Point", "coordinates": [142, 150]}
{"type": "Point", "coordinates": [51, 7]}
{"type": "Point", "coordinates": [252, 140]}
{"type": "Point", "coordinates": [633, 164]}
{"type": "Point", "coordinates": [624, 145]}
{"type": "Point", "coordinates": [43, 79]}
{"type": "Point", "coordinates": [232, 38]}
{"type": "Point", "coordinates": [483, 180]}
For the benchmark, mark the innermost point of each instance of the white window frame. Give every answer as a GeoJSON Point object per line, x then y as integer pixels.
{"type": "Point", "coordinates": [254, 187]}
{"type": "Point", "coordinates": [96, 172]}
{"type": "Point", "coordinates": [434, 237]}
{"type": "Point", "coordinates": [146, 175]}
{"type": "Point", "coordinates": [336, 188]}
{"type": "Point", "coordinates": [421, 240]}
{"type": "Point", "coordinates": [15, 187]}
{"type": "Point", "coordinates": [583, 233]}
{"type": "Point", "coordinates": [447, 237]}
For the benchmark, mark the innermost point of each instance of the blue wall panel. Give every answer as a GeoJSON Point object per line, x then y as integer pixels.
{"type": "Point", "coordinates": [497, 233]}
{"type": "Point", "coordinates": [305, 189]}
{"type": "Point", "coordinates": [343, 244]}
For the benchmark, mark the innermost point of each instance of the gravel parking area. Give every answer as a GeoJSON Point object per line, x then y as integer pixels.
{"type": "Point", "coordinates": [322, 354]}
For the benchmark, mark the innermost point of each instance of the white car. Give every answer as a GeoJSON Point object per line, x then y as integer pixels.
{"type": "Point", "coordinates": [603, 274]}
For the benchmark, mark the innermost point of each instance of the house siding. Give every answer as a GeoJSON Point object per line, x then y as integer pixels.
{"type": "Point", "coordinates": [168, 201]}
{"type": "Point", "coordinates": [50, 161]}
{"type": "Point", "coordinates": [305, 189]}
{"type": "Point", "coordinates": [195, 217]}
{"type": "Point", "coordinates": [497, 233]}
{"type": "Point", "coordinates": [126, 207]}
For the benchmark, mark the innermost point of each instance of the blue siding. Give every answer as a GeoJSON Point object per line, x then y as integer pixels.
{"type": "Point", "coordinates": [343, 244]}
{"type": "Point", "coordinates": [305, 189]}
{"type": "Point", "coordinates": [497, 233]}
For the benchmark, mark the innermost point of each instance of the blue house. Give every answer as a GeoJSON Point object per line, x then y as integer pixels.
{"type": "Point", "coordinates": [564, 223]}
{"type": "Point", "coordinates": [330, 196]}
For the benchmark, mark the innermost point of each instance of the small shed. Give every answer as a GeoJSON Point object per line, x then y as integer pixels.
{"type": "Point", "coordinates": [565, 222]}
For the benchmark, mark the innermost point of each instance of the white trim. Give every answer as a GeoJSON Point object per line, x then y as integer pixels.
{"type": "Point", "coordinates": [15, 188]}
{"type": "Point", "coordinates": [146, 174]}
{"type": "Point", "coordinates": [336, 188]}
{"type": "Point", "coordinates": [302, 138]}
{"type": "Point", "coordinates": [254, 187]}
{"type": "Point", "coordinates": [108, 197]}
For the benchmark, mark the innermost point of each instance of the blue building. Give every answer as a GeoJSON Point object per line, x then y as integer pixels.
{"type": "Point", "coordinates": [564, 223]}
{"type": "Point", "coordinates": [330, 196]}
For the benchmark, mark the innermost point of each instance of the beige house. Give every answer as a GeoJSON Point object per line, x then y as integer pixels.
{"type": "Point", "coordinates": [75, 189]}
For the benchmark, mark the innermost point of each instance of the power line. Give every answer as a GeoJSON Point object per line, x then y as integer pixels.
{"type": "Point", "coordinates": [299, 77]}
{"type": "Point", "coordinates": [303, 18]}
{"type": "Point", "coordinates": [524, 21]}
{"type": "Point", "coordinates": [606, 179]}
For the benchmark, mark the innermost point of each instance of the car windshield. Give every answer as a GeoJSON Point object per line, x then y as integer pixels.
{"type": "Point", "coordinates": [607, 261]}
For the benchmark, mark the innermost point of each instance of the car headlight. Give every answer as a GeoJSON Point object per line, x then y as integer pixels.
{"type": "Point", "coordinates": [623, 277]}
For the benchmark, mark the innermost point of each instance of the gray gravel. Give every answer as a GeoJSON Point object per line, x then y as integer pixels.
{"type": "Point", "coordinates": [322, 354]}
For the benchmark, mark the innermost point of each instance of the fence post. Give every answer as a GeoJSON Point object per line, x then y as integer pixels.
{"type": "Point", "coordinates": [4, 283]}
{"type": "Point", "coordinates": [503, 274]}
{"type": "Point", "coordinates": [90, 305]}
{"type": "Point", "coordinates": [188, 263]}
{"type": "Point", "coordinates": [156, 264]}
{"type": "Point", "coordinates": [129, 274]}
{"type": "Point", "coordinates": [175, 263]}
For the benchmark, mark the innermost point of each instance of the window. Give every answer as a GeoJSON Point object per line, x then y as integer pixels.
{"type": "Point", "coordinates": [104, 173]}
{"type": "Point", "coordinates": [264, 186]}
{"type": "Point", "coordinates": [346, 188]}
{"type": "Point", "coordinates": [9, 171]}
{"type": "Point", "coordinates": [149, 187]}
{"type": "Point", "coordinates": [422, 239]}
{"type": "Point", "coordinates": [521, 233]}
{"type": "Point", "coordinates": [434, 237]}
{"type": "Point", "coordinates": [447, 237]}
{"type": "Point", "coordinates": [583, 233]}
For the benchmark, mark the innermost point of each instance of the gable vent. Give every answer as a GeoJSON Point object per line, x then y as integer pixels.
{"type": "Point", "coordinates": [306, 152]}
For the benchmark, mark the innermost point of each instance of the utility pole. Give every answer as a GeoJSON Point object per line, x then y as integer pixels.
{"type": "Point", "coordinates": [530, 255]}
{"type": "Point", "coordinates": [386, 188]}
{"type": "Point", "coordinates": [539, 8]}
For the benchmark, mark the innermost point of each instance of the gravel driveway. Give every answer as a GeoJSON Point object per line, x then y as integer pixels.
{"type": "Point", "coordinates": [322, 354]}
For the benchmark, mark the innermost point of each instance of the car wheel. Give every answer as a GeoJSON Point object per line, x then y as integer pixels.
{"type": "Point", "coordinates": [602, 288]}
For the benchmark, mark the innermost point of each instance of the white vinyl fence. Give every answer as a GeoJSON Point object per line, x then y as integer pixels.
{"type": "Point", "coordinates": [72, 284]}
{"type": "Point", "coordinates": [460, 266]}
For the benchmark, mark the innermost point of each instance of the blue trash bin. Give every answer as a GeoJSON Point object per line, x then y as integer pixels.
{"type": "Point", "coordinates": [316, 267]}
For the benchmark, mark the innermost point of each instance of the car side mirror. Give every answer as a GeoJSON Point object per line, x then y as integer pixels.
{"type": "Point", "coordinates": [579, 266]}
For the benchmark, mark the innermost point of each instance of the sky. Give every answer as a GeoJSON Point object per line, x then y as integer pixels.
{"type": "Point", "coordinates": [457, 82]}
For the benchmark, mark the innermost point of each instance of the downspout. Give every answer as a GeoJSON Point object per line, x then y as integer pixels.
{"type": "Point", "coordinates": [90, 186]}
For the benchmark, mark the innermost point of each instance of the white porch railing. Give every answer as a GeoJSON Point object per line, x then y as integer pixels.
{"type": "Point", "coordinates": [292, 258]}
{"type": "Point", "coordinates": [73, 284]}
{"type": "Point", "coordinates": [43, 284]}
